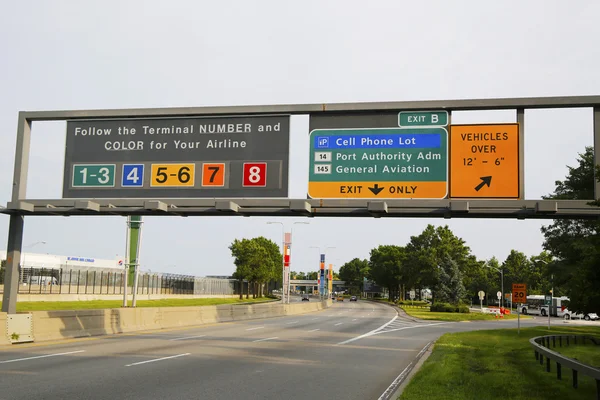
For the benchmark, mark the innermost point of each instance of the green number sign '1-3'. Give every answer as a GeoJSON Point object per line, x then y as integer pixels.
{"type": "Point", "coordinates": [94, 175]}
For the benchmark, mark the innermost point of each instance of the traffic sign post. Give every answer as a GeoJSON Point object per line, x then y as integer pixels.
{"type": "Point", "coordinates": [519, 295]}
{"type": "Point", "coordinates": [192, 157]}
{"type": "Point", "coordinates": [484, 161]}
{"type": "Point", "coordinates": [481, 295]}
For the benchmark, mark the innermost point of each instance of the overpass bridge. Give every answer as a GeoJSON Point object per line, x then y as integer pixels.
{"type": "Point", "coordinates": [313, 284]}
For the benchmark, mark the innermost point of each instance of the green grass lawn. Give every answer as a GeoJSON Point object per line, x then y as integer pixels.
{"type": "Point", "coordinates": [496, 364]}
{"type": "Point", "coordinates": [425, 314]}
{"type": "Point", "coordinates": [587, 353]}
{"type": "Point", "coordinates": [96, 304]}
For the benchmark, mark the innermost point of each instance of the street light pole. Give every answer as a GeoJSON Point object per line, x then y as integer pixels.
{"type": "Point", "coordinates": [292, 240]}
{"type": "Point", "coordinates": [501, 283]}
{"type": "Point", "coordinates": [282, 259]}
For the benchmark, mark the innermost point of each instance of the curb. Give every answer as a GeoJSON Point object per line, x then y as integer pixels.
{"type": "Point", "coordinates": [399, 384]}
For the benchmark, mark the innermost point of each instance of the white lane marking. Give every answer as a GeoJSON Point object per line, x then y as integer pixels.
{"type": "Point", "coordinates": [314, 330]}
{"type": "Point", "coordinates": [188, 337]}
{"type": "Point", "coordinates": [253, 329]}
{"type": "Point", "coordinates": [394, 385]}
{"type": "Point", "coordinates": [314, 319]}
{"type": "Point", "coordinates": [262, 340]}
{"type": "Point", "coordinates": [44, 356]}
{"type": "Point", "coordinates": [339, 323]}
{"type": "Point", "coordinates": [410, 327]}
{"type": "Point", "coordinates": [354, 319]}
{"type": "Point", "coordinates": [293, 322]}
{"type": "Point", "coordinates": [158, 359]}
{"type": "Point", "coordinates": [369, 333]}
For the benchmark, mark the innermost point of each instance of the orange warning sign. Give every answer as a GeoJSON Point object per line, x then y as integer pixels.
{"type": "Point", "coordinates": [484, 161]}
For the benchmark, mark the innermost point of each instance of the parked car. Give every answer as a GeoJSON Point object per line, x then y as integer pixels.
{"type": "Point", "coordinates": [340, 298]}
{"type": "Point", "coordinates": [305, 297]}
{"type": "Point", "coordinates": [353, 298]}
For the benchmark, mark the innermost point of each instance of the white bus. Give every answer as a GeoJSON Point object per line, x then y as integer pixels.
{"type": "Point", "coordinates": [535, 305]}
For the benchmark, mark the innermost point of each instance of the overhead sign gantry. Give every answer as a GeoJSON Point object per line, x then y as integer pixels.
{"type": "Point", "coordinates": [392, 159]}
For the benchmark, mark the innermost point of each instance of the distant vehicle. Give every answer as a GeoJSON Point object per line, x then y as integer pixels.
{"type": "Point", "coordinates": [353, 298]}
{"type": "Point", "coordinates": [535, 305]}
{"type": "Point", "coordinates": [340, 298]}
{"type": "Point", "coordinates": [305, 297]}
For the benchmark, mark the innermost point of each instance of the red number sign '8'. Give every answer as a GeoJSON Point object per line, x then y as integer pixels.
{"type": "Point", "coordinates": [255, 174]}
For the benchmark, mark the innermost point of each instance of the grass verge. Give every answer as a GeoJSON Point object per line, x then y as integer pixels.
{"type": "Point", "coordinates": [495, 364]}
{"type": "Point", "coordinates": [425, 314]}
{"type": "Point", "coordinates": [100, 304]}
{"type": "Point", "coordinates": [587, 353]}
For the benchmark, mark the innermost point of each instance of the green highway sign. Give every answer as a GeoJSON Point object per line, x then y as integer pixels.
{"type": "Point", "coordinates": [422, 118]}
{"type": "Point", "coordinates": [409, 163]}
{"type": "Point", "coordinates": [93, 175]}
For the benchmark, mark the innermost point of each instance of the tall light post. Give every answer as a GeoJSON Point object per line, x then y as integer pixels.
{"type": "Point", "coordinates": [551, 294]}
{"type": "Point", "coordinates": [283, 291]}
{"type": "Point", "coordinates": [501, 281]}
{"type": "Point", "coordinates": [29, 246]}
{"type": "Point", "coordinates": [324, 252]}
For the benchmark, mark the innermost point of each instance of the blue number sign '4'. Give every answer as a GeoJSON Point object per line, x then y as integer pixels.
{"type": "Point", "coordinates": [133, 175]}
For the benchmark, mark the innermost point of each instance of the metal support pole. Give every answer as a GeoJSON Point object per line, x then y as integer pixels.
{"type": "Point", "coordinates": [521, 122]}
{"type": "Point", "coordinates": [596, 151]}
{"type": "Point", "coordinates": [502, 287]}
{"type": "Point", "coordinates": [126, 263]}
{"type": "Point", "coordinates": [137, 263]}
{"type": "Point", "coordinates": [13, 258]}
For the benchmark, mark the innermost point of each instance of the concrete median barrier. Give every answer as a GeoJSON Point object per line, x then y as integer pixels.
{"type": "Point", "coordinates": [3, 337]}
{"type": "Point", "coordinates": [54, 325]}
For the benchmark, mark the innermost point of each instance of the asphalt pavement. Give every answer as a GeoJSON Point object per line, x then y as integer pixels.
{"type": "Point", "coordinates": [353, 350]}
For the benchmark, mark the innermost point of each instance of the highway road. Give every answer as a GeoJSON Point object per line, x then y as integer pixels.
{"type": "Point", "coordinates": [353, 350]}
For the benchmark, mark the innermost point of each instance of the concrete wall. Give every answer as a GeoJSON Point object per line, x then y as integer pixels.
{"type": "Point", "coordinates": [53, 325]}
{"type": "Point", "coordinates": [3, 329]}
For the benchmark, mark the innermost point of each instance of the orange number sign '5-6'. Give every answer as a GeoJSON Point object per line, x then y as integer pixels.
{"type": "Point", "coordinates": [519, 293]}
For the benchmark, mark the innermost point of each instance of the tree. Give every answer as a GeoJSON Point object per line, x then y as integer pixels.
{"type": "Point", "coordinates": [450, 287]}
{"type": "Point", "coordinates": [517, 268]}
{"type": "Point", "coordinates": [426, 252]}
{"type": "Point", "coordinates": [386, 267]}
{"type": "Point", "coordinates": [485, 279]}
{"type": "Point", "coordinates": [575, 244]}
{"type": "Point", "coordinates": [257, 260]}
{"type": "Point", "coordinates": [354, 272]}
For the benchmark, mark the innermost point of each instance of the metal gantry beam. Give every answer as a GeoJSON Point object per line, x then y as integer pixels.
{"type": "Point", "coordinates": [515, 209]}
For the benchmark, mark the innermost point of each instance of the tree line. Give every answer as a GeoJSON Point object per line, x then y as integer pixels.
{"type": "Point", "coordinates": [438, 260]}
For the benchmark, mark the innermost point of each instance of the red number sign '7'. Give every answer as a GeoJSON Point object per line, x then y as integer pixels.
{"type": "Point", "coordinates": [255, 174]}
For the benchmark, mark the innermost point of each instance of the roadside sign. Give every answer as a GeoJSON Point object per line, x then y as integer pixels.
{"type": "Point", "coordinates": [547, 299]}
{"type": "Point", "coordinates": [519, 293]}
{"type": "Point", "coordinates": [481, 294]}
{"type": "Point", "coordinates": [484, 161]}
{"type": "Point", "coordinates": [191, 157]}
{"type": "Point", "coordinates": [412, 294]}
{"type": "Point", "coordinates": [378, 163]}
{"type": "Point", "coordinates": [499, 295]}
{"type": "Point", "coordinates": [422, 118]}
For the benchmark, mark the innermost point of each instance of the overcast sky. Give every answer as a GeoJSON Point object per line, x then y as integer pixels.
{"type": "Point", "coordinates": [133, 54]}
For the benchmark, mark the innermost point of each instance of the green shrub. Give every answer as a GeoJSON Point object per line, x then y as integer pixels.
{"type": "Point", "coordinates": [447, 307]}
{"type": "Point", "coordinates": [413, 303]}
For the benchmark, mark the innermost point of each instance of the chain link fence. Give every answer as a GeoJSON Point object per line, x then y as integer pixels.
{"type": "Point", "coordinates": [82, 280]}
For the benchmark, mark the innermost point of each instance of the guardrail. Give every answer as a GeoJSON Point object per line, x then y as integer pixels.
{"type": "Point", "coordinates": [541, 346]}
